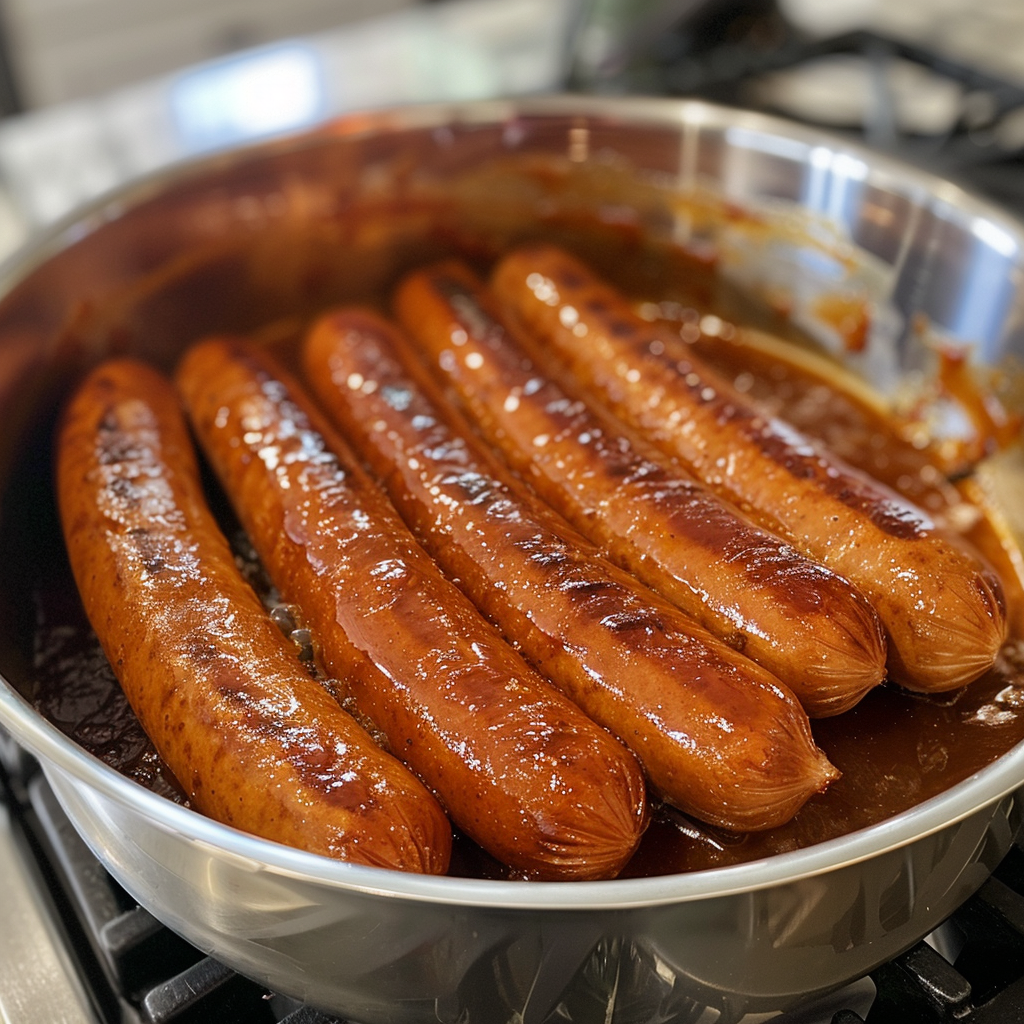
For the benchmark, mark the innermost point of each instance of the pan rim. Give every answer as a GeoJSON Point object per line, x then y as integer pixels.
{"type": "Point", "coordinates": [973, 795]}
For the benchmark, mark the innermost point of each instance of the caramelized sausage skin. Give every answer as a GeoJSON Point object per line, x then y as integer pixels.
{"type": "Point", "coordinates": [518, 767]}
{"type": "Point", "coordinates": [717, 736]}
{"type": "Point", "coordinates": [942, 609]}
{"type": "Point", "coordinates": [793, 616]}
{"type": "Point", "coordinates": [255, 741]}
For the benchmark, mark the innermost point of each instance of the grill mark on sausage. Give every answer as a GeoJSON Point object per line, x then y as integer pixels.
{"type": "Point", "coordinates": [594, 628]}
{"type": "Point", "coordinates": [772, 438]}
{"type": "Point", "coordinates": [694, 514]}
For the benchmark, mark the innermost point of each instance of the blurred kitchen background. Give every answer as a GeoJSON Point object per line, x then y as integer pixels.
{"type": "Point", "coordinates": [93, 92]}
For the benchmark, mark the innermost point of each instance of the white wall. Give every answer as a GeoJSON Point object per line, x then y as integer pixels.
{"type": "Point", "coordinates": [68, 49]}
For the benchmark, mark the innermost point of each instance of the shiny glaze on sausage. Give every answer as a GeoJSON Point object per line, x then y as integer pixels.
{"type": "Point", "coordinates": [718, 737]}
{"type": "Point", "coordinates": [518, 767]}
{"type": "Point", "coordinates": [793, 616]}
{"type": "Point", "coordinates": [254, 740]}
{"type": "Point", "coordinates": [942, 608]}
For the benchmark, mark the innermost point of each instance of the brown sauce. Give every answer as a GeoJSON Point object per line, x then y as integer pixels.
{"type": "Point", "coordinates": [894, 749]}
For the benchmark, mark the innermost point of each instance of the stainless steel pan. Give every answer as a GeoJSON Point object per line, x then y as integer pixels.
{"type": "Point", "coordinates": [260, 235]}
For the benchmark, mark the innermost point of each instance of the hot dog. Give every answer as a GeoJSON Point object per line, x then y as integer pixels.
{"type": "Point", "coordinates": [255, 741]}
{"type": "Point", "coordinates": [518, 767]}
{"type": "Point", "coordinates": [943, 610]}
{"type": "Point", "coordinates": [717, 736]}
{"type": "Point", "coordinates": [796, 618]}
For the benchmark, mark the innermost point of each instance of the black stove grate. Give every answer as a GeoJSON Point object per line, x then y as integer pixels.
{"type": "Point", "coordinates": [140, 972]}
{"type": "Point", "coordinates": [725, 49]}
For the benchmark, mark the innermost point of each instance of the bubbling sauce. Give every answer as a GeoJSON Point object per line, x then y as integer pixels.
{"type": "Point", "coordinates": [895, 749]}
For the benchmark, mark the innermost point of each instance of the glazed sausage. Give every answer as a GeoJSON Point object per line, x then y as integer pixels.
{"type": "Point", "coordinates": [717, 736]}
{"type": "Point", "coordinates": [796, 618]}
{"type": "Point", "coordinates": [943, 610]}
{"type": "Point", "coordinates": [518, 767]}
{"type": "Point", "coordinates": [254, 740]}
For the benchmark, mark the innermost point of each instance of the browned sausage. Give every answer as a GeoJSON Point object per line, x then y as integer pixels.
{"type": "Point", "coordinates": [943, 610]}
{"type": "Point", "coordinates": [253, 739]}
{"type": "Point", "coordinates": [519, 768]}
{"type": "Point", "coordinates": [717, 736]}
{"type": "Point", "coordinates": [796, 618]}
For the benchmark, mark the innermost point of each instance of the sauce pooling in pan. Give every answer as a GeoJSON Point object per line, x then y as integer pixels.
{"type": "Point", "coordinates": [894, 749]}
